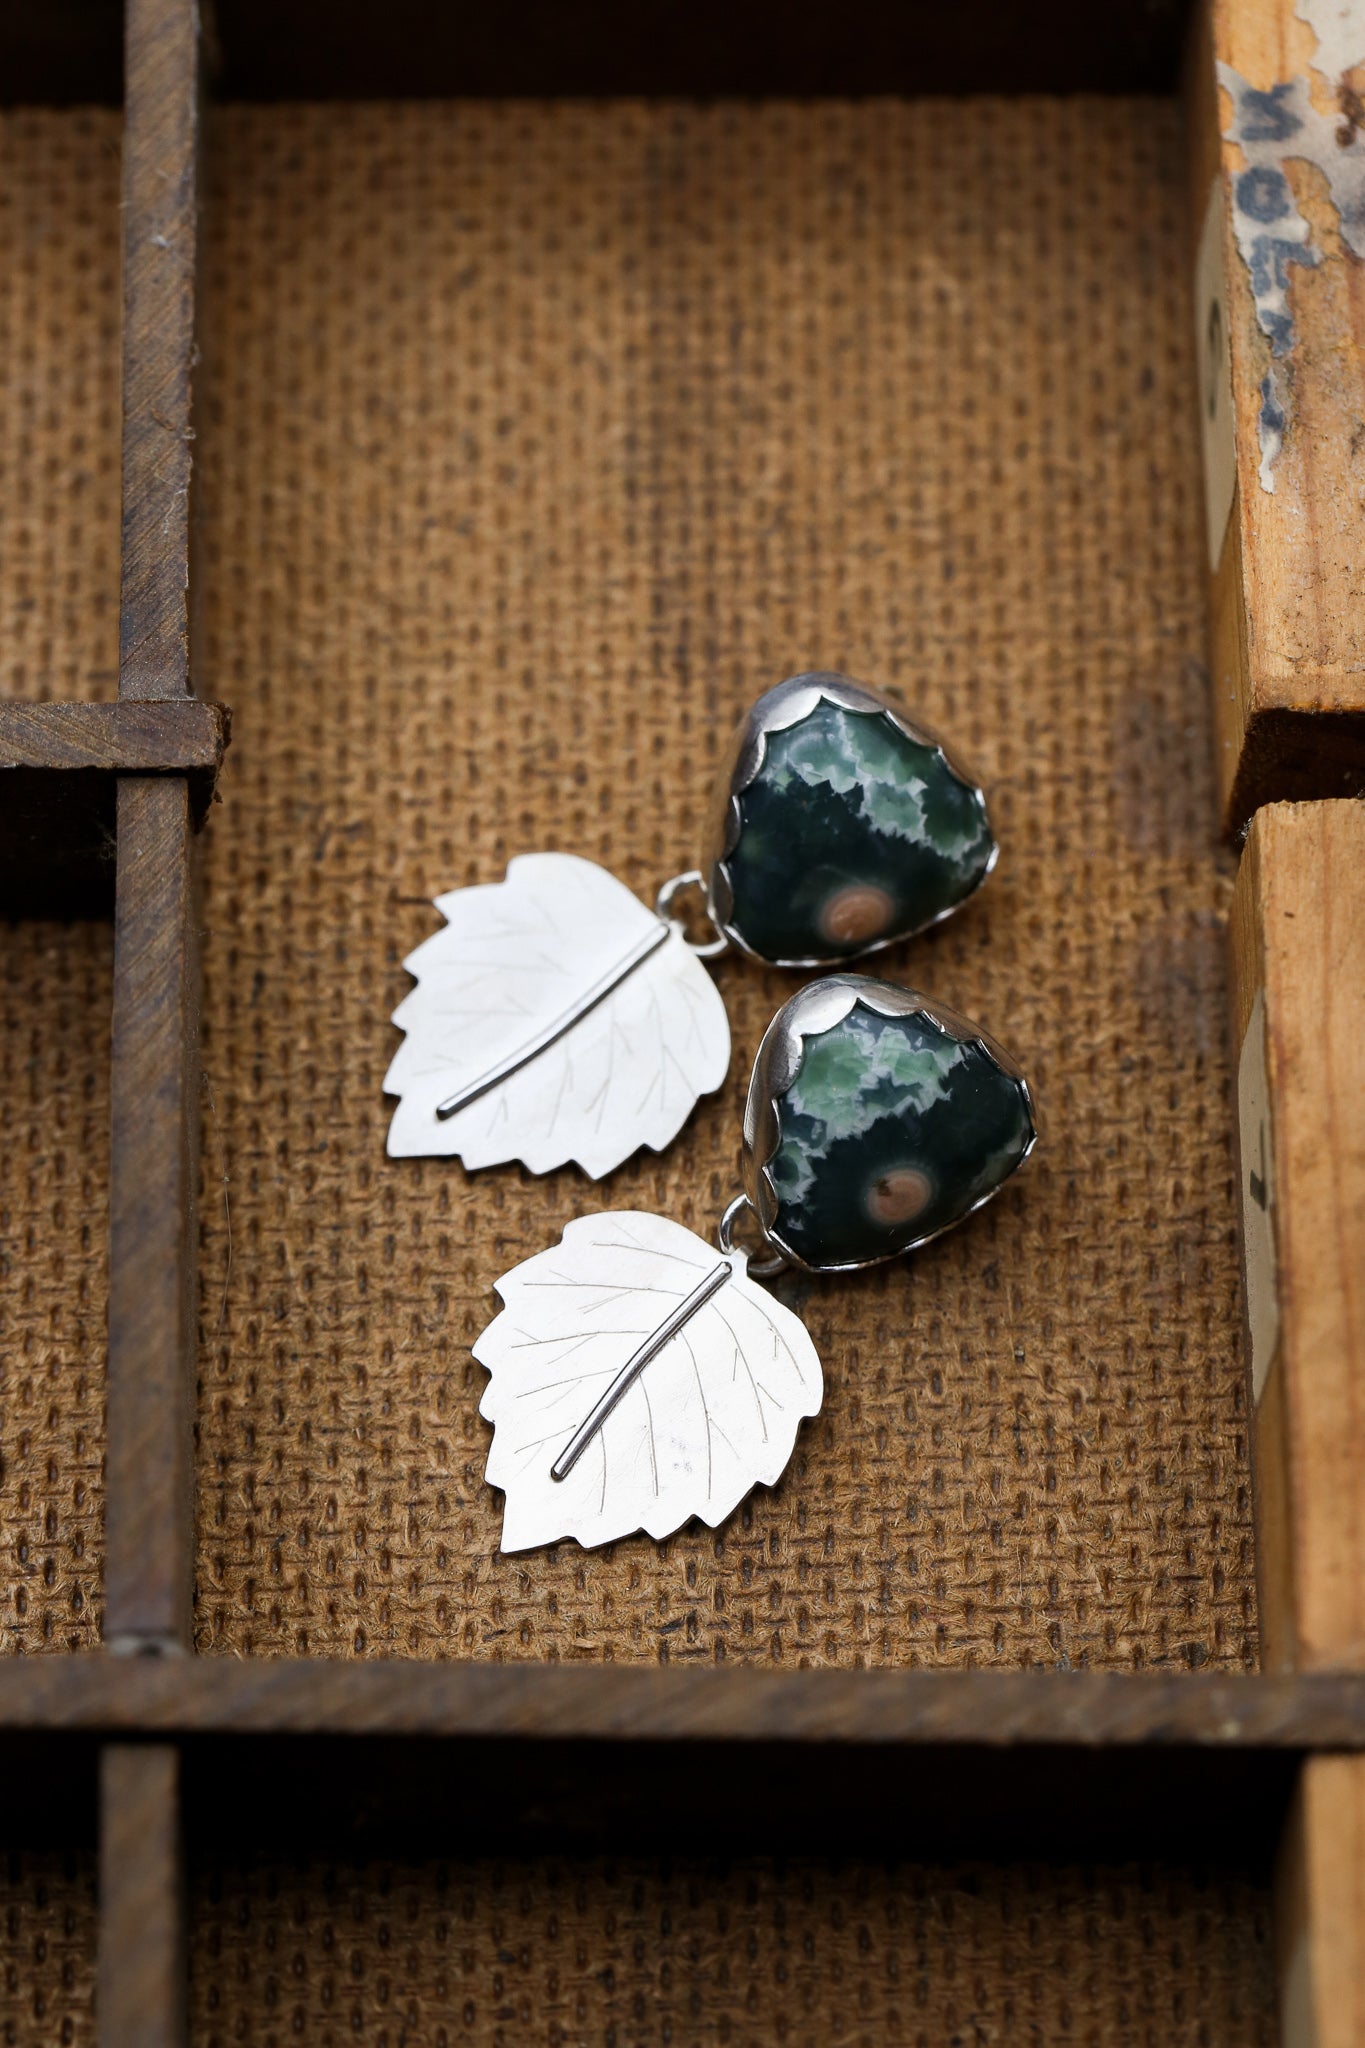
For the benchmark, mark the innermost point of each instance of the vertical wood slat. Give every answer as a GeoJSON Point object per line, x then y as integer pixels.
{"type": "Point", "coordinates": [155, 1076]}
{"type": "Point", "coordinates": [1298, 977]}
{"type": "Point", "coordinates": [161, 121]}
{"type": "Point", "coordinates": [1320, 1907]}
{"type": "Point", "coordinates": [1298, 961]}
{"type": "Point", "coordinates": [154, 1155]}
{"type": "Point", "coordinates": [140, 1991]}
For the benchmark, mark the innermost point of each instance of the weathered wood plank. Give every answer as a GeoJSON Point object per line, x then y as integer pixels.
{"type": "Point", "coordinates": [1298, 945]}
{"type": "Point", "coordinates": [58, 766]}
{"type": "Point", "coordinates": [128, 738]}
{"type": "Point", "coordinates": [308, 1753]}
{"type": "Point", "coordinates": [140, 1990]}
{"type": "Point", "coordinates": [155, 1074]}
{"type": "Point", "coordinates": [154, 1164]}
{"type": "Point", "coordinates": [1272, 113]}
{"type": "Point", "coordinates": [160, 253]}
{"type": "Point", "coordinates": [1320, 1907]}
{"type": "Point", "coordinates": [232, 1697]}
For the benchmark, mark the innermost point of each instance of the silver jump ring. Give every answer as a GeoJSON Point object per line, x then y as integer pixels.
{"type": "Point", "coordinates": [761, 1269]}
{"type": "Point", "coordinates": [663, 907]}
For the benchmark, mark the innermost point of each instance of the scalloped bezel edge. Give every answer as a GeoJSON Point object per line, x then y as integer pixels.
{"type": "Point", "coordinates": [785, 705]}
{"type": "Point", "coordinates": [813, 1010]}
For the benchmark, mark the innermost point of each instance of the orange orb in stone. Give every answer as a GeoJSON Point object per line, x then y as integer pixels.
{"type": "Point", "coordinates": [856, 915]}
{"type": "Point", "coordinates": [899, 1195]}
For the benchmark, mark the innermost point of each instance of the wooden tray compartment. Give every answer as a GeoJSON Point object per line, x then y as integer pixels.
{"type": "Point", "coordinates": [622, 555]}
{"type": "Point", "coordinates": [537, 438]}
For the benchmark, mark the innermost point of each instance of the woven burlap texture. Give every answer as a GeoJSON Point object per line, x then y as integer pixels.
{"type": "Point", "coordinates": [541, 439]}
{"type": "Point", "coordinates": [59, 399]}
{"type": "Point", "coordinates": [538, 439]}
{"type": "Point", "coordinates": [47, 1948]}
{"type": "Point", "coordinates": [806, 1953]}
{"type": "Point", "coordinates": [59, 538]}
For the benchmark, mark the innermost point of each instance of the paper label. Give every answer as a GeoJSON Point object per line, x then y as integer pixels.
{"type": "Point", "coordinates": [1215, 376]}
{"type": "Point", "coordinates": [1258, 1198]}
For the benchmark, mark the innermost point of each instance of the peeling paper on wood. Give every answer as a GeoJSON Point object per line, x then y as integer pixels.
{"type": "Point", "coordinates": [1273, 127]}
{"type": "Point", "coordinates": [1215, 378]}
{"type": "Point", "coordinates": [1258, 1198]}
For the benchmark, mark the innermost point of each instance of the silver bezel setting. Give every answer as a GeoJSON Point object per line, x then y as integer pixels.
{"type": "Point", "coordinates": [783, 706]}
{"type": "Point", "coordinates": [812, 1011]}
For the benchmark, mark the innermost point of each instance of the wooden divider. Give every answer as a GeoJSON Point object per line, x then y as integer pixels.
{"type": "Point", "coordinates": [1280, 321]}
{"type": "Point", "coordinates": [59, 766]}
{"type": "Point", "coordinates": [1298, 938]}
{"type": "Point", "coordinates": [1273, 95]}
{"type": "Point", "coordinates": [1320, 1907]}
{"type": "Point", "coordinates": [155, 1080]}
{"type": "Point", "coordinates": [141, 1980]}
{"type": "Point", "coordinates": [154, 1159]}
{"type": "Point", "coordinates": [1298, 943]}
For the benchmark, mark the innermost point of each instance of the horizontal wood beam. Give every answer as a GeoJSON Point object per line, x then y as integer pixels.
{"type": "Point", "coordinates": [212, 1696]}
{"type": "Point", "coordinates": [316, 1754]}
{"type": "Point", "coordinates": [180, 737]}
{"type": "Point", "coordinates": [59, 769]}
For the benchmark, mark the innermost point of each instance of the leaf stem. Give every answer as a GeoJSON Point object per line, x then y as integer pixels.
{"type": "Point", "coordinates": [635, 1365]}
{"type": "Point", "coordinates": [648, 943]}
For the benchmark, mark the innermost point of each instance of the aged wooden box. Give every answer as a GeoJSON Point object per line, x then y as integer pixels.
{"type": "Point", "coordinates": [501, 405]}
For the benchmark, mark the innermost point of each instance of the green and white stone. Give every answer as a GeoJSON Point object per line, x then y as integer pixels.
{"type": "Point", "coordinates": [891, 1131]}
{"type": "Point", "coordinates": [851, 835]}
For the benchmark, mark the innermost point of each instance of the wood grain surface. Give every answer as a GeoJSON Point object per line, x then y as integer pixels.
{"type": "Point", "coordinates": [302, 1751]}
{"type": "Point", "coordinates": [1320, 1908]}
{"type": "Point", "coordinates": [395, 1696]}
{"type": "Point", "coordinates": [1298, 938]}
{"type": "Point", "coordinates": [160, 254]}
{"type": "Point", "coordinates": [126, 738]}
{"type": "Point", "coordinates": [149, 1559]}
{"type": "Point", "coordinates": [1287, 638]}
{"type": "Point", "coordinates": [140, 1994]}
{"type": "Point", "coordinates": [58, 807]}
{"type": "Point", "coordinates": [155, 1078]}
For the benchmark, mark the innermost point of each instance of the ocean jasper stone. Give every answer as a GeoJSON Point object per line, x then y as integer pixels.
{"type": "Point", "coordinates": [891, 1130]}
{"type": "Point", "coordinates": [851, 835]}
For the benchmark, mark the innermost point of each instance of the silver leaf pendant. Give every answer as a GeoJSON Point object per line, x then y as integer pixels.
{"type": "Point", "coordinates": [639, 1378]}
{"type": "Point", "coordinates": [555, 1018]}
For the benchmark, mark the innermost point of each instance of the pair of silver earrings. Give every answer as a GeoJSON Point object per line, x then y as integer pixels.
{"type": "Point", "coordinates": [639, 1376]}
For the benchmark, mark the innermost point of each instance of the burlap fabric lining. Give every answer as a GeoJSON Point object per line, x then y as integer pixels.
{"type": "Point", "coordinates": [59, 538]}
{"type": "Point", "coordinates": [539, 439]}
{"type": "Point", "coordinates": [634, 1954]}
{"type": "Point", "coordinates": [47, 1948]}
{"type": "Point", "coordinates": [807, 1953]}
